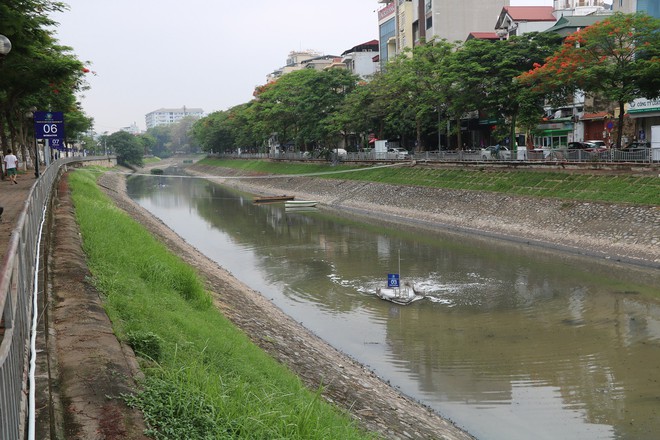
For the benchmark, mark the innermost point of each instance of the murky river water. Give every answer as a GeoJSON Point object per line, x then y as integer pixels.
{"type": "Point", "coordinates": [510, 344]}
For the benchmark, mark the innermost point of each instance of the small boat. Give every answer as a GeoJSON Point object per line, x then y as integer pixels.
{"type": "Point", "coordinates": [272, 199]}
{"type": "Point", "coordinates": [400, 295]}
{"type": "Point", "coordinates": [300, 203]}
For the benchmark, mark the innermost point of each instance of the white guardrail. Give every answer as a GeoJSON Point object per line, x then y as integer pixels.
{"type": "Point", "coordinates": [18, 287]}
{"type": "Point", "coordinates": [641, 155]}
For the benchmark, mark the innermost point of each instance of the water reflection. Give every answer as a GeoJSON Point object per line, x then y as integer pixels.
{"type": "Point", "coordinates": [511, 343]}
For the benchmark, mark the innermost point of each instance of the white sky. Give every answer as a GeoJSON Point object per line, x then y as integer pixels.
{"type": "Point", "coordinates": [209, 54]}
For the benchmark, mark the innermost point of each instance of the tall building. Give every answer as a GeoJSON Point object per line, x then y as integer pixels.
{"type": "Point", "coordinates": [565, 8]}
{"type": "Point", "coordinates": [651, 7]}
{"type": "Point", "coordinates": [454, 20]}
{"type": "Point", "coordinates": [406, 23]}
{"type": "Point", "coordinates": [165, 116]}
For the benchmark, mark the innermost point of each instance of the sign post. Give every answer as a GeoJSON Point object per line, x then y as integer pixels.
{"type": "Point", "coordinates": [48, 126]}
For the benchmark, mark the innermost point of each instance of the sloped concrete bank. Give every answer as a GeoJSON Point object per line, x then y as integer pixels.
{"type": "Point", "coordinates": [614, 232]}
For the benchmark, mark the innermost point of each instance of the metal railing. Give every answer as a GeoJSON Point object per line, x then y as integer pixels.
{"type": "Point", "coordinates": [17, 290]}
{"type": "Point", "coordinates": [642, 155]}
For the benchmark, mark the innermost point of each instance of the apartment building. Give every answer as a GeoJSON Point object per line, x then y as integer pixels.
{"type": "Point", "coordinates": [165, 116]}
{"type": "Point", "coordinates": [566, 8]}
{"type": "Point", "coordinates": [651, 7]}
{"type": "Point", "coordinates": [406, 23]}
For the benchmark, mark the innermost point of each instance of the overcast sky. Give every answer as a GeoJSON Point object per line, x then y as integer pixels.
{"type": "Point", "coordinates": [209, 54]}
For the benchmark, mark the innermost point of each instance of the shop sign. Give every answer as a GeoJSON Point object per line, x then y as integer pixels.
{"type": "Point", "coordinates": [641, 105]}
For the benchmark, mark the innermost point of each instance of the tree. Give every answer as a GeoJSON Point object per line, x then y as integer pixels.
{"type": "Point", "coordinates": [38, 73]}
{"type": "Point", "coordinates": [127, 147]}
{"type": "Point", "coordinates": [617, 58]}
{"type": "Point", "coordinates": [298, 106]}
{"type": "Point", "coordinates": [484, 76]}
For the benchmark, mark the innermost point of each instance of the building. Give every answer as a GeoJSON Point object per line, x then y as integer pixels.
{"type": "Point", "coordinates": [165, 116]}
{"type": "Point", "coordinates": [360, 59]}
{"type": "Point", "coordinates": [132, 129]}
{"type": "Point", "coordinates": [405, 23]}
{"type": "Point", "coordinates": [323, 62]}
{"type": "Point", "coordinates": [566, 8]}
{"type": "Point", "coordinates": [566, 25]}
{"type": "Point", "coordinates": [651, 7]}
{"type": "Point", "coordinates": [293, 62]}
{"type": "Point", "coordinates": [454, 20]}
{"type": "Point", "coordinates": [520, 20]}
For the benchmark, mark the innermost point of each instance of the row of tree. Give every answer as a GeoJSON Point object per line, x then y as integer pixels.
{"type": "Point", "coordinates": [38, 74]}
{"type": "Point", "coordinates": [425, 93]}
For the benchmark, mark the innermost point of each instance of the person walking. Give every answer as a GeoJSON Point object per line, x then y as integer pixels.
{"type": "Point", "coordinates": [11, 166]}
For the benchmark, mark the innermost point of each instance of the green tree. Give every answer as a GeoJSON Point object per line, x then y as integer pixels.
{"type": "Point", "coordinates": [148, 143]}
{"type": "Point", "coordinates": [215, 132]}
{"type": "Point", "coordinates": [163, 136]}
{"type": "Point", "coordinates": [37, 74]}
{"type": "Point", "coordinates": [484, 76]}
{"type": "Point", "coordinates": [298, 107]}
{"type": "Point", "coordinates": [617, 59]}
{"type": "Point", "coordinates": [127, 147]}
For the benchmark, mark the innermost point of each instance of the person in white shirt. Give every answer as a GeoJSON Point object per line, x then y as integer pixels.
{"type": "Point", "coordinates": [11, 166]}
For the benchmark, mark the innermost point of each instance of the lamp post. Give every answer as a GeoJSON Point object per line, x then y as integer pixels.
{"type": "Point", "coordinates": [5, 48]}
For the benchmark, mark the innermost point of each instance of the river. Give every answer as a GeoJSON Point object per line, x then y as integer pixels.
{"type": "Point", "coordinates": [510, 343]}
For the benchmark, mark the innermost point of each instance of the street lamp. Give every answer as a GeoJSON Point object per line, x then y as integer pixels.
{"type": "Point", "coordinates": [5, 46]}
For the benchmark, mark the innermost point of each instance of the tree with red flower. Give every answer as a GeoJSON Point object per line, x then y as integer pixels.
{"type": "Point", "coordinates": [617, 59]}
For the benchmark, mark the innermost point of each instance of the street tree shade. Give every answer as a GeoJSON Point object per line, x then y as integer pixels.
{"type": "Point", "coordinates": [5, 46]}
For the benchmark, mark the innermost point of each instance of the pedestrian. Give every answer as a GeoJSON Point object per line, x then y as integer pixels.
{"type": "Point", "coordinates": [11, 166]}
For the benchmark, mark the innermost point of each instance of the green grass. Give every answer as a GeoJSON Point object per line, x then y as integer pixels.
{"type": "Point", "coordinates": [641, 190]}
{"type": "Point", "coordinates": [204, 377]}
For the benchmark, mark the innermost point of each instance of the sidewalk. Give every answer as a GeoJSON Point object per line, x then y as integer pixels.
{"type": "Point", "coordinates": [12, 199]}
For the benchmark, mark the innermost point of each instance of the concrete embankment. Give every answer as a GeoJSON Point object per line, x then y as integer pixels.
{"type": "Point", "coordinates": [613, 232]}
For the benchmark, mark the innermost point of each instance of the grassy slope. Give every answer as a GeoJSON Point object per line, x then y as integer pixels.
{"type": "Point", "coordinates": [643, 190]}
{"type": "Point", "coordinates": [205, 379]}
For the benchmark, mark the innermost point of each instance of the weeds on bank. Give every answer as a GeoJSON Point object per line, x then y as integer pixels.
{"type": "Point", "coordinates": [204, 378]}
{"type": "Point", "coordinates": [639, 190]}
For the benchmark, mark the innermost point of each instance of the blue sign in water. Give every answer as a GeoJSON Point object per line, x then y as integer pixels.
{"type": "Point", "coordinates": [392, 280]}
{"type": "Point", "coordinates": [49, 125]}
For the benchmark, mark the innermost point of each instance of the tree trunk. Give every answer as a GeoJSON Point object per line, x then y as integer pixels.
{"type": "Point", "coordinates": [459, 138]}
{"type": "Point", "coordinates": [619, 134]}
{"type": "Point", "coordinates": [512, 137]}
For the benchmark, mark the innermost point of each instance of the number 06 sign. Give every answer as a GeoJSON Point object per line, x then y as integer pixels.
{"type": "Point", "coordinates": [49, 125]}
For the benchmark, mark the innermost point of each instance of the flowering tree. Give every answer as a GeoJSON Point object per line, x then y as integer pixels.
{"type": "Point", "coordinates": [617, 58]}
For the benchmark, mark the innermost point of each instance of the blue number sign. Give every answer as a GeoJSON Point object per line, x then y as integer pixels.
{"type": "Point", "coordinates": [49, 125]}
{"type": "Point", "coordinates": [392, 280]}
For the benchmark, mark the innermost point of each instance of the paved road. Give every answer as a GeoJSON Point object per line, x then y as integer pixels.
{"type": "Point", "coordinates": [12, 200]}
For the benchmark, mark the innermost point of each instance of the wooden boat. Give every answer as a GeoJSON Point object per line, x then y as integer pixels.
{"type": "Point", "coordinates": [300, 203]}
{"type": "Point", "coordinates": [272, 199]}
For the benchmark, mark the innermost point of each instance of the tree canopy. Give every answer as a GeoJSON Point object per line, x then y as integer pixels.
{"type": "Point", "coordinates": [38, 73]}
{"type": "Point", "coordinates": [617, 58]}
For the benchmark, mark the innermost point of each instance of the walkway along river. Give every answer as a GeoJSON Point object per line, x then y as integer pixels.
{"type": "Point", "coordinates": [511, 343]}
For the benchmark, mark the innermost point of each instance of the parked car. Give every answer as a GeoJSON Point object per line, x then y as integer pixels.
{"type": "Point", "coordinates": [634, 152]}
{"type": "Point", "coordinates": [340, 152]}
{"type": "Point", "coordinates": [495, 152]}
{"type": "Point", "coordinates": [397, 153]}
{"type": "Point", "coordinates": [597, 146]}
{"type": "Point", "coordinates": [637, 146]}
